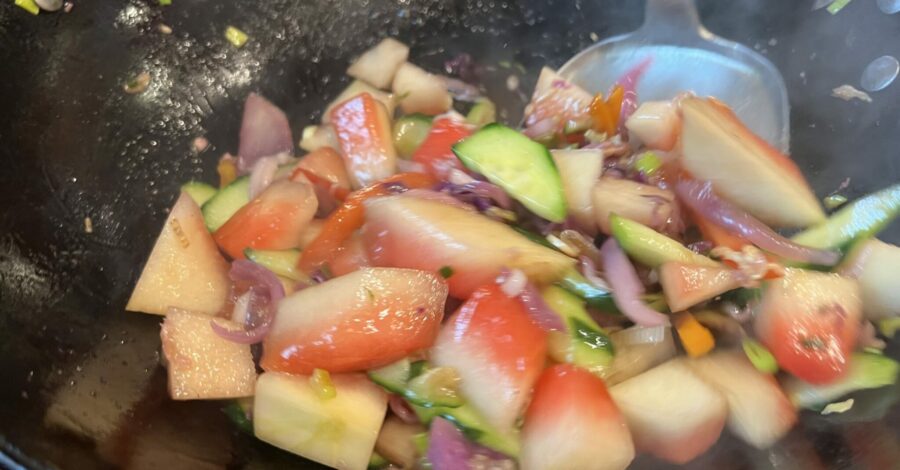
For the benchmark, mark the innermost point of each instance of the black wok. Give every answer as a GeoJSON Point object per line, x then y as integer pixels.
{"type": "Point", "coordinates": [81, 387]}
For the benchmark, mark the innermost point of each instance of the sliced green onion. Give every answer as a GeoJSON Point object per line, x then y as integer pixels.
{"type": "Point", "coordinates": [648, 163]}
{"type": "Point", "coordinates": [165, 2]}
{"type": "Point", "coordinates": [320, 380]}
{"type": "Point", "coordinates": [377, 461]}
{"type": "Point", "coordinates": [834, 201]}
{"type": "Point", "coordinates": [837, 5]}
{"type": "Point", "coordinates": [446, 272]}
{"type": "Point", "coordinates": [889, 326]}
{"type": "Point", "coordinates": [761, 358]}
{"type": "Point", "coordinates": [29, 6]}
{"type": "Point", "coordinates": [235, 36]}
{"type": "Point", "coordinates": [238, 415]}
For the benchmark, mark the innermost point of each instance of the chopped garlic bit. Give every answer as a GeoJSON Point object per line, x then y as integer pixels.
{"type": "Point", "coordinates": [848, 92]}
{"type": "Point", "coordinates": [839, 407]}
{"type": "Point", "coordinates": [88, 225]}
{"type": "Point", "coordinates": [751, 263]}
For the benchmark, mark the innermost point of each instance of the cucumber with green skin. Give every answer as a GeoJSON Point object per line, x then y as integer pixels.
{"type": "Point", "coordinates": [650, 247]}
{"type": "Point", "coordinates": [519, 165]}
{"type": "Point", "coordinates": [411, 380]}
{"type": "Point", "coordinates": [409, 132]}
{"type": "Point", "coordinates": [280, 262]}
{"type": "Point", "coordinates": [199, 192]}
{"type": "Point", "coordinates": [861, 219]}
{"type": "Point", "coordinates": [474, 426]}
{"type": "Point", "coordinates": [589, 346]}
{"type": "Point", "coordinates": [218, 209]}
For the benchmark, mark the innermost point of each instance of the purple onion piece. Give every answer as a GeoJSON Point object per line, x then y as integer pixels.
{"type": "Point", "coordinates": [541, 313]}
{"type": "Point", "coordinates": [629, 82]}
{"type": "Point", "coordinates": [448, 449]}
{"type": "Point", "coordinates": [265, 131]}
{"type": "Point", "coordinates": [627, 287]}
{"type": "Point", "coordinates": [701, 198]}
{"type": "Point", "coordinates": [401, 408]}
{"type": "Point", "coordinates": [266, 291]}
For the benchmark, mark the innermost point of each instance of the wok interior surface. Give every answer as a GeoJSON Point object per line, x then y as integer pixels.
{"type": "Point", "coordinates": [82, 387]}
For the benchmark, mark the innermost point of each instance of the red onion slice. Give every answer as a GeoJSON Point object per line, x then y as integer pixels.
{"type": "Point", "coordinates": [402, 409]}
{"type": "Point", "coordinates": [629, 81]}
{"type": "Point", "coordinates": [265, 292]}
{"type": "Point", "coordinates": [448, 449]}
{"type": "Point", "coordinates": [699, 196]}
{"type": "Point", "coordinates": [262, 175]}
{"type": "Point", "coordinates": [541, 313]}
{"type": "Point", "coordinates": [589, 271]}
{"type": "Point", "coordinates": [265, 131]}
{"type": "Point", "coordinates": [627, 287]}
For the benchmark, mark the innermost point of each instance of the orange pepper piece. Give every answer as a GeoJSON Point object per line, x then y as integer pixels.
{"type": "Point", "coordinates": [696, 338]}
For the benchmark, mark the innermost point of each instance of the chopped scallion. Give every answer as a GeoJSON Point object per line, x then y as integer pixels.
{"type": "Point", "coordinates": [834, 201]}
{"type": "Point", "coordinates": [837, 5]}
{"type": "Point", "coordinates": [648, 163]}
{"type": "Point", "coordinates": [165, 2]}
{"type": "Point", "coordinates": [760, 357]}
{"type": "Point", "coordinates": [235, 36]}
{"type": "Point", "coordinates": [29, 6]}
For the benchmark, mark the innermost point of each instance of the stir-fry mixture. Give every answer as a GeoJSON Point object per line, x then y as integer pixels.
{"type": "Point", "coordinates": [425, 288]}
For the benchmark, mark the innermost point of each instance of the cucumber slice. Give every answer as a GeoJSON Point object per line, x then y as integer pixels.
{"type": "Point", "coordinates": [392, 377]}
{"type": "Point", "coordinates": [280, 262]}
{"type": "Point", "coordinates": [409, 133]}
{"type": "Point", "coordinates": [226, 202]}
{"type": "Point", "coordinates": [863, 218]}
{"type": "Point", "coordinates": [474, 427]}
{"type": "Point", "coordinates": [435, 387]}
{"type": "Point", "coordinates": [650, 247]}
{"type": "Point", "coordinates": [588, 346]}
{"type": "Point", "coordinates": [199, 192]}
{"type": "Point", "coordinates": [482, 113]}
{"type": "Point", "coordinates": [866, 371]}
{"type": "Point", "coordinates": [519, 165]}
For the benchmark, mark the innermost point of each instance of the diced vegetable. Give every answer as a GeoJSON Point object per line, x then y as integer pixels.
{"type": "Point", "coordinates": [586, 344]}
{"type": "Point", "coordinates": [889, 326]}
{"type": "Point", "coordinates": [837, 5]}
{"type": "Point", "coordinates": [320, 380]}
{"type": "Point", "coordinates": [235, 36]}
{"type": "Point", "coordinates": [236, 411]}
{"type": "Point", "coordinates": [650, 247]}
{"type": "Point", "coordinates": [202, 364]}
{"type": "Point", "coordinates": [759, 356]}
{"type": "Point", "coordinates": [393, 377]}
{"type": "Point", "coordinates": [648, 163]}
{"type": "Point", "coordinates": [810, 321]}
{"type": "Point", "coordinates": [435, 153]}
{"type": "Point", "coordinates": [642, 203]}
{"type": "Point", "coordinates": [861, 219]}
{"type": "Point", "coordinates": [411, 232]}
{"type": "Point", "coordinates": [420, 92]}
{"type": "Point", "coordinates": [497, 351]}
{"type": "Point", "coordinates": [388, 313]}
{"type": "Point", "coordinates": [517, 164]}
{"type": "Point", "coordinates": [29, 6]}
{"type": "Point", "coordinates": [475, 426]}
{"type": "Point", "coordinates": [342, 223]}
{"type": "Point", "coordinates": [199, 192]}
{"type": "Point", "coordinates": [554, 103]}
{"type": "Point", "coordinates": [696, 339]}
{"type": "Point", "coordinates": [363, 129]}
{"type": "Point", "coordinates": [339, 432]}
{"type": "Point", "coordinates": [265, 132]}
{"type": "Point", "coordinates": [227, 171]}
{"type": "Point", "coordinates": [378, 65]}
{"type": "Point", "coordinates": [579, 170]}
{"type": "Point", "coordinates": [686, 285]}
{"type": "Point", "coordinates": [876, 266]}
{"type": "Point", "coordinates": [743, 168]}
{"type": "Point", "coordinates": [866, 371]}
{"type": "Point", "coordinates": [656, 124]}
{"type": "Point", "coordinates": [670, 412]}
{"type": "Point", "coordinates": [569, 404]}
{"type": "Point", "coordinates": [758, 410]}
{"type": "Point", "coordinates": [409, 133]}
{"type": "Point", "coordinates": [316, 137]}
{"type": "Point", "coordinates": [185, 269]}
{"type": "Point", "coordinates": [275, 220]}
{"type": "Point", "coordinates": [354, 89]}
{"type": "Point", "coordinates": [435, 387]}
{"type": "Point", "coordinates": [633, 358]}
{"type": "Point", "coordinates": [482, 113]}
{"type": "Point", "coordinates": [280, 262]}
{"type": "Point", "coordinates": [219, 208]}
{"type": "Point", "coordinates": [395, 442]}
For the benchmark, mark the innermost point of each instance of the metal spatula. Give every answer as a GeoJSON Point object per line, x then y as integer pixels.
{"type": "Point", "coordinates": [686, 56]}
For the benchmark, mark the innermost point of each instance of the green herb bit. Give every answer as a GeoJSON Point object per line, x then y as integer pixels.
{"type": "Point", "coordinates": [648, 163]}
{"type": "Point", "coordinates": [837, 5]}
{"type": "Point", "coordinates": [834, 201]}
{"type": "Point", "coordinates": [235, 36]}
{"type": "Point", "coordinates": [760, 357]}
{"type": "Point", "coordinates": [446, 272]}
